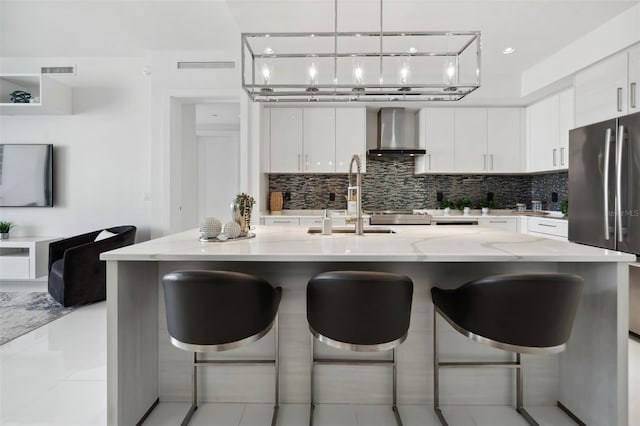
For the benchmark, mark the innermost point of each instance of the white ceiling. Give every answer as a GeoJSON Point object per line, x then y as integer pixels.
{"type": "Point", "coordinates": [535, 28]}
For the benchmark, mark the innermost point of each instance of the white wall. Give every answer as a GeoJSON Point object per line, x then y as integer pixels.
{"type": "Point", "coordinates": [101, 151]}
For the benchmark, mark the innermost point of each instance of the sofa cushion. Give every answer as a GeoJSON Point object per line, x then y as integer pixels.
{"type": "Point", "coordinates": [104, 234]}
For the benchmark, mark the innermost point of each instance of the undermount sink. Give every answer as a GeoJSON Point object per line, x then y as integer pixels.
{"type": "Point", "coordinates": [350, 230]}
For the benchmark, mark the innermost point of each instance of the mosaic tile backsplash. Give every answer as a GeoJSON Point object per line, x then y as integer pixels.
{"type": "Point", "coordinates": [390, 184]}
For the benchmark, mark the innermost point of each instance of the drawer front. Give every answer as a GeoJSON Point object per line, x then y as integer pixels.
{"type": "Point", "coordinates": [14, 268]}
{"type": "Point", "coordinates": [310, 221]}
{"type": "Point", "coordinates": [507, 224]}
{"type": "Point", "coordinates": [281, 221]}
{"type": "Point", "coordinates": [557, 228]}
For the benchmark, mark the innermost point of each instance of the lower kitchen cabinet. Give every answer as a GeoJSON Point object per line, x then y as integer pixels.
{"type": "Point", "coordinates": [548, 227]}
{"type": "Point", "coordinates": [504, 223]}
{"type": "Point", "coordinates": [282, 221]}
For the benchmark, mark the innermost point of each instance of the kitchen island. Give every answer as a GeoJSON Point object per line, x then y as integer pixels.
{"type": "Point", "coordinates": [589, 378]}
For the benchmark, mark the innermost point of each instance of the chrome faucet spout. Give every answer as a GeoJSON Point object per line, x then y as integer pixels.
{"type": "Point", "coordinates": [358, 187]}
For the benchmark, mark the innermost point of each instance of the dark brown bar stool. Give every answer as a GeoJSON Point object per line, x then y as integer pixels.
{"type": "Point", "coordinates": [214, 311]}
{"type": "Point", "coordinates": [362, 312]}
{"type": "Point", "coordinates": [521, 313]}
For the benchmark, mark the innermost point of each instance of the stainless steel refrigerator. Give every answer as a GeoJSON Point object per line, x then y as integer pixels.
{"type": "Point", "coordinates": [604, 188]}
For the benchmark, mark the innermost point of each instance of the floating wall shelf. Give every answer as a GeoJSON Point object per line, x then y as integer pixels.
{"type": "Point", "coordinates": [52, 97]}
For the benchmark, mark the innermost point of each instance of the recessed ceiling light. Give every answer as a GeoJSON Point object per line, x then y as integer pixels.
{"type": "Point", "coordinates": [412, 50]}
{"type": "Point", "coordinates": [268, 50]}
{"type": "Point", "coordinates": [508, 50]}
{"type": "Point", "coordinates": [214, 115]}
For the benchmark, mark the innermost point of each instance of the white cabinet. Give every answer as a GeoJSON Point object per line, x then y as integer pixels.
{"type": "Point", "coordinates": [24, 258]}
{"type": "Point", "coordinates": [470, 140]}
{"type": "Point", "coordinates": [286, 140]}
{"type": "Point", "coordinates": [470, 146]}
{"type": "Point", "coordinates": [315, 140]}
{"type": "Point", "coordinates": [634, 79]}
{"type": "Point", "coordinates": [319, 140]}
{"type": "Point", "coordinates": [504, 223]}
{"type": "Point", "coordinates": [52, 97]}
{"type": "Point", "coordinates": [503, 140]}
{"type": "Point", "coordinates": [549, 121]}
{"type": "Point", "coordinates": [351, 134]}
{"type": "Point", "coordinates": [436, 136]}
{"type": "Point", "coordinates": [548, 228]}
{"type": "Point", "coordinates": [609, 88]}
{"type": "Point", "coordinates": [282, 221]}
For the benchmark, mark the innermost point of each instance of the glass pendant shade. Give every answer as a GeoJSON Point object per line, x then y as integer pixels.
{"type": "Point", "coordinates": [449, 73]}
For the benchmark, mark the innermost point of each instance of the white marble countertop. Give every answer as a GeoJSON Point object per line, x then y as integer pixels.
{"type": "Point", "coordinates": [408, 244]}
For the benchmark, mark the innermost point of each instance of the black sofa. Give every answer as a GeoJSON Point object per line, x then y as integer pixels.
{"type": "Point", "coordinates": [76, 274]}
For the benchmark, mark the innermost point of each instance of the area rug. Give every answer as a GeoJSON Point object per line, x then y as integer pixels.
{"type": "Point", "coordinates": [21, 313]}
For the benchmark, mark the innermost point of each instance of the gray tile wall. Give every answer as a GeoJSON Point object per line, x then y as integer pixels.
{"type": "Point", "coordinates": [390, 184]}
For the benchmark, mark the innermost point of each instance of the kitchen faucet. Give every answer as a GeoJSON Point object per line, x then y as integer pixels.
{"type": "Point", "coordinates": [358, 188]}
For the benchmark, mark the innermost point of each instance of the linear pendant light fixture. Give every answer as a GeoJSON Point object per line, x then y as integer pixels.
{"type": "Point", "coordinates": [360, 66]}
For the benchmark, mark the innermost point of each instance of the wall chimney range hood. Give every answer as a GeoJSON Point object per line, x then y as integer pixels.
{"type": "Point", "coordinates": [392, 136]}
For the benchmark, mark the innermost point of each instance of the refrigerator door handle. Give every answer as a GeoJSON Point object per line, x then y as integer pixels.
{"type": "Point", "coordinates": [619, 146]}
{"type": "Point", "coordinates": [607, 154]}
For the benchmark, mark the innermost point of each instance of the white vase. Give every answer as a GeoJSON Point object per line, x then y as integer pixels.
{"type": "Point", "coordinates": [4, 235]}
{"type": "Point", "coordinates": [446, 211]}
{"type": "Point", "coordinates": [485, 211]}
{"type": "Point", "coordinates": [466, 211]}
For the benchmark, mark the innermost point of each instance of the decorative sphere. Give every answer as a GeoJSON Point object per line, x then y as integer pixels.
{"type": "Point", "coordinates": [232, 229]}
{"type": "Point", "coordinates": [210, 227]}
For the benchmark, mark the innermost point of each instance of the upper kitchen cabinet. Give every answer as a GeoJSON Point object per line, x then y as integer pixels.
{"type": "Point", "coordinates": [549, 121]}
{"type": "Point", "coordinates": [634, 79]}
{"type": "Point", "coordinates": [436, 135]}
{"type": "Point", "coordinates": [503, 140]}
{"type": "Point", "coordinates": [471, 140]}
{"type": "Point", "coordinates": [609, 88]}
{"type": "Point", "coordinates": [286, 140]}
{"type": "Point", "coordinates": [318, 141]}
{"type": "Point", "coordinates": [351, 137]}
{"type": "Point", "coordinates": [48, 97]}
{"type": "Point", "coordinates": [315, 140]}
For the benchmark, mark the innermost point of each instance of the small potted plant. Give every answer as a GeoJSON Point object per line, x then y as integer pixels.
{"type": "Point", "coordinates": [5, 227]}
{"type": "Point", "coordinates": [464, 205]}
{"type": "Point", "coordinates": [447, 204]}
{"type": "Point", "coordinates": [485, 205]}
{"type": "Point", "coordinates": [564, 208]}
{"type": "Point", "coordinates": [243, 205]}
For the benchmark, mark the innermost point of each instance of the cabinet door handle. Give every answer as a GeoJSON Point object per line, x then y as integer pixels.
{"type": "Point", "coordinates": [498, 221]}
{"type": "Point", "coordinates": [562, 156]}
{"type": "Point", "coordinates": [619, 99]}
{"type": "Point", "coordinates": [484, 161]}
{"type": "Point", "coordinates": [632, 94]}
{"type": "Point", "coordinates": [282, 221]}
{"type": "Point", "coordinates": [491, 157]}
{"type": "Point", "coordinates": [547, 225]}
{"type": "Point", "coordinates": [555, 162]}
{"type": "Point", "coordinates": [306, 162]}
{"type": "Point", "coordinates": [429, 155]}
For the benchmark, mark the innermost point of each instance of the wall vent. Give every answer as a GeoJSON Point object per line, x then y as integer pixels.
{"type": "Point", "coordinates": [58, 70]}
{"type": "Point", "coordinates": [207, 65]}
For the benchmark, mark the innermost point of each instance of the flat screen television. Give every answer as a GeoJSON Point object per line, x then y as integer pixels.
{"type": "Point", "coordinates": [26, 175]}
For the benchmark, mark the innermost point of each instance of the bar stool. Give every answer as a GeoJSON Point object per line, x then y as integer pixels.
{"type": "Point", "coordinates": [361, 312]}
{"type": "Point", "coordinates": [521, 313]}
{"type": "Point", "coordinates": [214, 311]}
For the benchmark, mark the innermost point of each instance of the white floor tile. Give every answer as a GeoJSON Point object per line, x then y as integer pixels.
{"type": "Point", "coordinates": [66, 404]}
{"type": "Point", "coordinates": [172, 413]}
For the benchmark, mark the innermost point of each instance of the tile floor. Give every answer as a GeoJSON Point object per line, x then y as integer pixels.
{"type": "Point", "coordinates": [56, 375]}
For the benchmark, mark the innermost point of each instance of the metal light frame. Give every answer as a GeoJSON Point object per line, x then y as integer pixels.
{"type": "Point", "coordinates": [381, 92]}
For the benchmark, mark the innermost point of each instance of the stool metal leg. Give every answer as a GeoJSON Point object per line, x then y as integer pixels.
{"type": "Point", "coordinates": [194, 392]}
{"type": "Point", "coordinates": [436, 373]}
{"type": "Point", "coordinates": [311, 405]}
{"type": "Point", "coordinates": [396, 412]}
{"type": "Point", "coordinates": [519, 393]}
{"type": "Point", "coordinates": [276, 406]}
